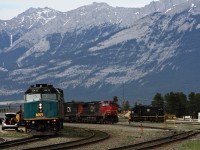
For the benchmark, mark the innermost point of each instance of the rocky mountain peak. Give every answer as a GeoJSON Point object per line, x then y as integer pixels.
{"type": "Point", "coordinates": [35, 17]}
{"type": "Point", "coordinates": [94, 50]}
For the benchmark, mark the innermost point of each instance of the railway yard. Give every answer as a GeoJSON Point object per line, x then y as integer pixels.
{"type": "Point", "coordinates": [85, 136]}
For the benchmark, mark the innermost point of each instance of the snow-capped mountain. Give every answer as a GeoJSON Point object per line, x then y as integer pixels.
{"type": "Point", "coordinates": [98, 51]}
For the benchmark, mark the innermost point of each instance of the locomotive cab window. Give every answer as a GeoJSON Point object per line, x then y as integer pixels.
{"type": "Point", "coordinates": [32, 97]}
{"type": "Point", "coordinates": [105, 105]}
{"type": "Point", "coordinates": [49, 97]}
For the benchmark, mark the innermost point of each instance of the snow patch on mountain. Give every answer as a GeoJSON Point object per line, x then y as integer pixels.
{"type": "Point", "coordinates": [7, 92]}
{"type": "Point", "coordinates": [58, 65]}
{"type": "Point", "coordinates": [3, 69]}
{"type": "Point", "coordinates": [37, 50]}
{"type": "Point", "coordinates": [125, 35]}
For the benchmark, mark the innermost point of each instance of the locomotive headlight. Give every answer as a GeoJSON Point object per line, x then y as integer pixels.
{"type": "Point", "coordinates": [53, 121]}
{"type": "Point", "coordinates": [40, 107]}
{"type": "Point", "coordinates": [33, 122]}
{"type": "Point", "coordinates": [27, 122]}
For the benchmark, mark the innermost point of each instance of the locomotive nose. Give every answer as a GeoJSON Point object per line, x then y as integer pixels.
{"type": "Point", "coordinates": [113, 111]}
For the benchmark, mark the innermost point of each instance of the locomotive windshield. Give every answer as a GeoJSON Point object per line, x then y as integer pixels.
{"type": "Point", "coordinates": [38, 97]}
{"type": "Point", "coordinates": [32, 97]}
{"type": "Point", "coordinates": [108, 103]}
{"type": "Point", "coordinates": [42, 92]}
{"type": "Point", "coordinates": [49, 97]}
{"type": "Point", "coordinates": [105, 105]}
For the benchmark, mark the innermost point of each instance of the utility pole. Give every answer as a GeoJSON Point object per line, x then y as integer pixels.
{"type": "Point", "coordinates": [123, 92]}
{"type": "Point", "coordinates": [123, 100]}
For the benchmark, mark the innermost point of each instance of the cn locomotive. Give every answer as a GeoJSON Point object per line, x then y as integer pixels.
{"type": "Point", "coordinates": [91, 112]}
{"type": "Point", "coordinates": [142, 113]}
{"type": "Point", "coordinates": [43, 109]}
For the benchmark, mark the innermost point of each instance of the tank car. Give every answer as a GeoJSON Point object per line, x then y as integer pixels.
{"type": "Point", "coordinates": [147, 113]}
{"type": "Point", "coordinates": [93, 112]}
{"type": "Point", "coordinates": [43, 109]}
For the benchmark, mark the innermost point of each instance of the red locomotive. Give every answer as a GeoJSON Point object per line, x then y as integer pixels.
{"type": "Point", "coordinates": [93, 112]}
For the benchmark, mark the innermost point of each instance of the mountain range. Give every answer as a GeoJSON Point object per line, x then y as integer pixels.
{"type": "Point", "coordinates": [97, 51]}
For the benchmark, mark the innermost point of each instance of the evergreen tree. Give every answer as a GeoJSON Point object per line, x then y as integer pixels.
{"type": "Point", "coordinates": [176, 103]}
{"type": "Point", "coordinates": [182, 104]}
{"type": "Point", "coordinates": [115, 100]}
{"type": "Point", "coordinates": [194, 102]}
{"type": "Point", "coordinates": [170, 104]}
{"type": "Point", "coordinates": [197, 98]}
{"type": "Point", "coordinates": [158, 101]}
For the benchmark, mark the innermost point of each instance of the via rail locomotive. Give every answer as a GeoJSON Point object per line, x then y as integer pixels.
{"type": "Point", "coordinates": [93, 112]}
{"type": "Point", "coordinates": [43, 109]}
{"type": "Point", "coordinates": [142, 113]}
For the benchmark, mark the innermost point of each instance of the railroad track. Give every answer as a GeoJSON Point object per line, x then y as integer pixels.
{"type": "Point", "coordinates": [2, 140]}
{"type": "Point", "coordinates": [158, 142]}
{"type": "Point", "coordinates": [142, 125]}
{"type": "Point", "coordinates": [96, 136]}
{"type": "Point", "coordinates": [13, 143]}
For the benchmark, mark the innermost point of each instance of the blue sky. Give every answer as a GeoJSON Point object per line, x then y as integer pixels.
{"type": "Point", "coordinates": [11, 8]}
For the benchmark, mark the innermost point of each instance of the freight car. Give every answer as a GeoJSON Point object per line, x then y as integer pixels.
{"type": "Point", "coordinates": [147, 113]}
{"type": "Point", "coordinates": [43, 109]}
{"type": "Point", "coordinates": [92, 112]}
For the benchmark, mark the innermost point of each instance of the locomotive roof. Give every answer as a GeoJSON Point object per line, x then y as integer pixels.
{"type": "Point", "coordinates": [43, 88]}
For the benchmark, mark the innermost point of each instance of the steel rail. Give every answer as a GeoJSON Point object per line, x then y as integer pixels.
{"type": "Point", "coordinates": [158, 142]}
{"type": "Point", "coordinates": [12, 143]}
{"type": "Point", "coordinates": [93, 138]}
